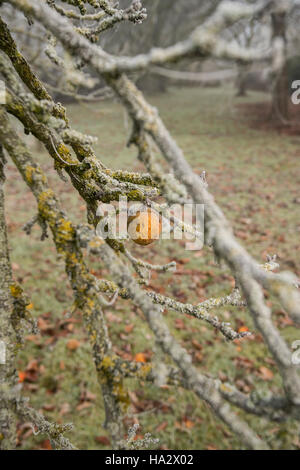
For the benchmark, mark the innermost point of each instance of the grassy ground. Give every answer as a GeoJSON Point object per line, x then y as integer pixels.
{"type": "Point", "coordinates": [254, 175]}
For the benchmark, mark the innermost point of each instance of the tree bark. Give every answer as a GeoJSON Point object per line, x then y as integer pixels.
{"type": "Point", "coordinates": [8, 375]}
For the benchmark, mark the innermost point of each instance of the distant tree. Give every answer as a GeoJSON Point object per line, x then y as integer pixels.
{"type": "Point", "coordinates": [280, 102]}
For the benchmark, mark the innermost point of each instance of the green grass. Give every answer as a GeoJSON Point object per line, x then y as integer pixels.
{"type": "Point", "coordinates": [254, 176]}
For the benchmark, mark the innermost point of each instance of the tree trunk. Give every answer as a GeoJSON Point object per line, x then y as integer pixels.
{"type": "Point", "coordinates": [241, 82]}
{"type": "Point", "coordinates": [281, 96]}
{"type": "Point", "coordinates": [280, 101]}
